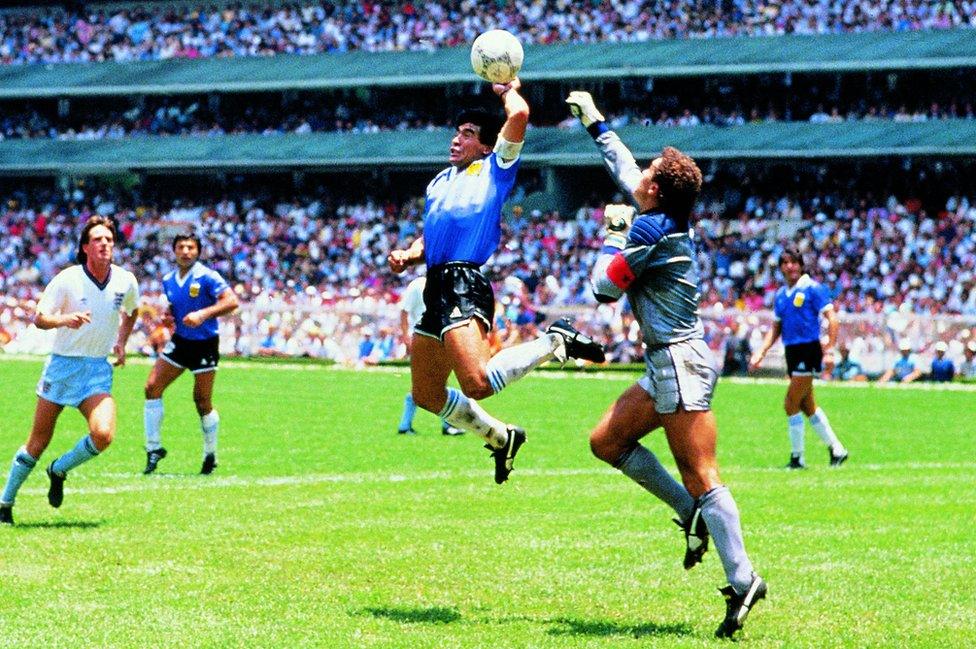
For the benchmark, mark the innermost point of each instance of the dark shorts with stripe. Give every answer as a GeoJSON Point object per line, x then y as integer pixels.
{"type": "Point", "coordinates": [194, 355]}
{"type": "Point", "coordinates": [455, 292]}
{"type": "Point", "coordinates": [804, 359]}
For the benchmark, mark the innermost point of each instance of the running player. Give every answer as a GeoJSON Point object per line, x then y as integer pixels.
{"type": "Point", "coordinates": [462, 228]}
{"type": "Point", "coordinates": [652, 259]}
{"type": "Point", "coordinates": [797, 308]}
{"type": "Point", "coordinates": [83, 303]}
{"type": "Point", "coordinates": [197, 295]}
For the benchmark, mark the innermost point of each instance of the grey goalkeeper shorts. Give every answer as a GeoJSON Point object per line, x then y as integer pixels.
{"type": "Point", "coordinates": [680, 374]}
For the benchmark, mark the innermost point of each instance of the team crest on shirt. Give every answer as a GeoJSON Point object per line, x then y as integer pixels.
{"type": "Point", "coordinates": [118, 300]}
{"type": "Point", "coordinates": [474, 168]}
{"type": "Point", "coordinates": [195, 289]}
{"type": "Point", "coordinates": [799, 299]}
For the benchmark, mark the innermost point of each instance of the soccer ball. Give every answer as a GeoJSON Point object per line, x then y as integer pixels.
{"type": "Point", "coordinates": [496, 56]}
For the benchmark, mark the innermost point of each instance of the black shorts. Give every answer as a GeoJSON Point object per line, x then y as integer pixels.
{"type": "Point", "coordinates": [804, 359]}
{"type": "Point", "coordinates": [195, 355]}
{"type": "Point", "coordinates": [455, 292]}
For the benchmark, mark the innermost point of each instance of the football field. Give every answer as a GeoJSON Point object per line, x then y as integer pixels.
{"type": "Point", "coordinates": [323, 528]}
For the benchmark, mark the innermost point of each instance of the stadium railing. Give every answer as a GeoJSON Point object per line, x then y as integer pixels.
{"type": "Point", "coordinates": [334, 332]}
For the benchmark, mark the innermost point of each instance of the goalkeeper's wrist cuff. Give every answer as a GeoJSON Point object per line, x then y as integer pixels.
{"type": "Point", "coordinates": [596, 129]}
{"type": "Point", "coordinates": [616, 241]}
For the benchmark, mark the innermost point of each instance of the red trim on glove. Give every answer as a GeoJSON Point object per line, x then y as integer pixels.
{"type": "Point", "coordinates": [619, 272]}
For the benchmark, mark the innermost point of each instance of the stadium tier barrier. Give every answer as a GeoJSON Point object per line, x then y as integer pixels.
{"type": "Point", "coordinates": [547, 146]}
{"type": "Point", "coordinates": [933, 49]}
{"type": "Point", "coordinates": [337, 332]}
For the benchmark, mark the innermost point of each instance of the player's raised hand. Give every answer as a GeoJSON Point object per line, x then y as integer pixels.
{"type": "Point", "coordinates": [581, 105]}
{"type": "Point", "coordinates": [76, 319]}
{"type": "Point", "coordinates": [501, 88]}
{"type": "Point", "coordinates": [618, 218]}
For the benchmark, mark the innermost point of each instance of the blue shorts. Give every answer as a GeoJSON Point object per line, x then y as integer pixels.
{"type": "Point", "coordinates": [69, 380]}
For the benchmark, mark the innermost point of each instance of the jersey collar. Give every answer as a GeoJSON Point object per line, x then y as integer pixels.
{"type": "Point", "coordinates": [189, 274]}
{"type": "Point", "coordinates": [101, 285]}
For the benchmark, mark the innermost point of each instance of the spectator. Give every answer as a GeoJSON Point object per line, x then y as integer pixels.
{"type": "Point", "coordinates": [847, 369]}
{"type": "Point", "coordinates": [943, 370]}
{"type": "Point", "coordinates": [967, 368]}
{"type": "Point", "coordinates": [904, 370]}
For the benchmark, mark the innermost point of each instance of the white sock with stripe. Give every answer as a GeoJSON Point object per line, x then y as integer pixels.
{"type": "Point", "coordinates": [796, 434]}
{"type": "Point", "coordinates": [152, 417]}
{"type": "Point", "coordinates": [509, 365]}
{"type": "Point", "coordinates": [822, 426]}
{"type": "Point", "coordinates": [464, 413]}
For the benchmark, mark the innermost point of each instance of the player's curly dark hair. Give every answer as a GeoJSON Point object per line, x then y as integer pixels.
{"type": "Point", "coordinates": [92, 223]}
{"type": "Point", "coordinates": [678, 180]}
{"type": "Point", "coordinates": [490, 124]}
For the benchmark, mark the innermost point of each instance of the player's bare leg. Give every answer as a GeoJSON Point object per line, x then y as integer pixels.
{"type": "Point", "coordinates": [99, 411]}
{"type": "Point", "coordinates": [799, 389]}
{"type": "Point", "coordinates": [161, 377]}
{"type": "Point", "coordinates": [203, 384]}
{"type": "Point", "coordinates": [615, 440]}
{"type": "Point", "coordinates": [45, 417]}
{"type": "Point", "coordinates": [821, 425]}
{"type": "Point", "coordinates": [431, 364]}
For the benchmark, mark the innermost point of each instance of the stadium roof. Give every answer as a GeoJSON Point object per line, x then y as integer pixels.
{"type": "Point", "coordinates": [689, 57]}
{"type": "Point", "coordinates": [544, 147]}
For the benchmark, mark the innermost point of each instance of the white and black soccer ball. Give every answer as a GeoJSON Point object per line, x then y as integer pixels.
{"type": "Point", "coordinates": [496, 56]}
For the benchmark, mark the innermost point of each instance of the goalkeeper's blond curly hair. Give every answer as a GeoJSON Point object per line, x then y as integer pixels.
{"type": "Point", "coordinates": [679, 180]}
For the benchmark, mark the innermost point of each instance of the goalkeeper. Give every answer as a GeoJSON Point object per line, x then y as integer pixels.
{"type": "Point", "coordinates": [651, 258]}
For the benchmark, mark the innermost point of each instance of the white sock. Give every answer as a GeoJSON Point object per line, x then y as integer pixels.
{"type": "Point", "coordinates": [796, 434]}
{"type": "Point", "coordinates": [821, 424]}
{"type": "Point", "coordinates": [152, 417]}
{"type": "Point", "coordinates": [513, 363]}
{"type": "Point", "coordinates": [464, 413]}
{"type": "Point", "coordinates": [209, 423]}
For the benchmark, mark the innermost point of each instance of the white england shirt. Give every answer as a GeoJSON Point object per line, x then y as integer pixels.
{"type": "Point", "coordinates": [413, 301]}
{"type": "Point", "coordinates": [73, 289]}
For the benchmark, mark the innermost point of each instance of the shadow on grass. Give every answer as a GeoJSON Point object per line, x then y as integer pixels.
{"type": "Point", "coordinates": [40, 525]}
{"type": "Point", "coordinates": [408, 615]}
{"type": "Point", "coordinates": [602, 628]}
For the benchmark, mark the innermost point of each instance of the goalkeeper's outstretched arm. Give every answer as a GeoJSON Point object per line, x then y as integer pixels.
{"type": "Point", "coordinates": [617, 158]}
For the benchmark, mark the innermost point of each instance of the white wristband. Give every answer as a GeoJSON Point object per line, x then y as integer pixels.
{"type": "Point", "coordinates": [507, 150]}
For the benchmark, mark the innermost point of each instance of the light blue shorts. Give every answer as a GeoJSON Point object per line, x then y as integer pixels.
{"type": "Point", "coordinates": [69, 380]}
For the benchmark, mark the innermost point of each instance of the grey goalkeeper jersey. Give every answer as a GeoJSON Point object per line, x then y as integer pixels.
{"type": "Point", "coordinates": [657, 269]}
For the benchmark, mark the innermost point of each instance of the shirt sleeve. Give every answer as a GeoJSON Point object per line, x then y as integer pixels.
{"type": "Point", "coordinates": [217, 285]}
{"type": "Point", "coordinates": [822, 298]}
{"type": "Point", "coordinates": [777, 312]}
{"type": "Point", "coordinates": [53, 297]}
{"type": "Point", "coordinates": [615, 273]}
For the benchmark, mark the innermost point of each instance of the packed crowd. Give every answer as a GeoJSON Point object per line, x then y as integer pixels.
{"type": "Point", "coordinates": [53, 35]}
{"type": "Point", "coordinates": [194, 117]}
{"type": "Point", "coordinates": [312, 273]}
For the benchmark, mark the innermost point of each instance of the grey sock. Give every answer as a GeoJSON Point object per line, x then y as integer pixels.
{"type": "Point", "coordinates": [643, 467]}
{"type": "Point", "coordinates": [722, 518]}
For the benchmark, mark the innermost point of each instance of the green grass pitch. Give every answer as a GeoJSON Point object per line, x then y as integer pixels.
{"type": "Point", "coordinates": [323, 528]}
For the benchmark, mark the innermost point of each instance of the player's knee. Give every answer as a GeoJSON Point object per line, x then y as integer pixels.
{"type": "Point", "coordinates": [603, 448]}
{"type": "Point", "coordinates": [102, 436]}
{"type": "Point", "coordinates": [204, 405]}
{"type": "Point", "coordinates": [476, 387]}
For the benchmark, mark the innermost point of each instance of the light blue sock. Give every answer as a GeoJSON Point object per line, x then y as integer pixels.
{"type": "Point", "coordinates": [722, 518]}
{"type": "Point", "coordinates": [83, 451]}
{"type": "Point", "coordinates": [23, 464]}
{"type": "Point", "coordinates": [642, 466]}
{"type": "Point", "coordinates": [409, 408]}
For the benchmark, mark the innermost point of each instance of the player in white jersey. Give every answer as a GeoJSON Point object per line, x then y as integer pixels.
{"type": "Point", "coordinates": [411, 311]}
{"type": "Point", "coordinates": [83, 303]}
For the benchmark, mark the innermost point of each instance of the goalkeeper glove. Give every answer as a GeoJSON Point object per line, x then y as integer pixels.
{"type": "Point", "coordinates": [581, 105]}
{"type": "Point", "coordinates": [617, 220]}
